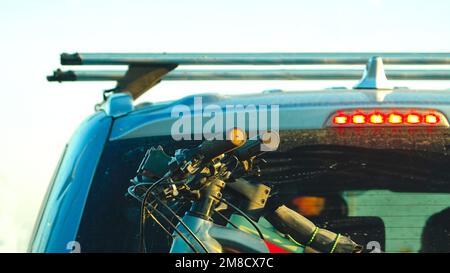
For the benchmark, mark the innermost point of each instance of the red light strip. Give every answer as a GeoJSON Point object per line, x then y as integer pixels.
{"type": "Point", "coordinates": [379, 118]}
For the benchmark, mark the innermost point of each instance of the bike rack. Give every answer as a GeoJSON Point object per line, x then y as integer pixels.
{"type": "Point", "coordinates": [145, 70]}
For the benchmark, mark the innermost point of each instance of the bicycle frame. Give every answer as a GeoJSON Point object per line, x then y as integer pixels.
{"type": "Point", "coordinates": [237, 236]}
{"type": "Point", "coordinates": [287, 226]}
{"type": "Point", "coordinates": [216, 238]}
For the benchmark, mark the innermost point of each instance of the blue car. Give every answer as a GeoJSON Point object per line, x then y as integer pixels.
{"type": "Point", "coordinates": [368, 164]}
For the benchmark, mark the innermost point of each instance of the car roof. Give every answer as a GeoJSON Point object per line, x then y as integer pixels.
{"type": "Point", "coordinates": [314, 97]}
{"type": "Point", "coordinates": [309, 109]}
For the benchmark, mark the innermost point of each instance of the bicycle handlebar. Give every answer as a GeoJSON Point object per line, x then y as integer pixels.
{"type": "Point", "coordinates": [307, 233]}
{"type": "Point", "coordinates": [187, 163]}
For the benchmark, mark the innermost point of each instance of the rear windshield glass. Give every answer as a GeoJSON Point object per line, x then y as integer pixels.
{"type": "Point", "coordinates": [390, 188]}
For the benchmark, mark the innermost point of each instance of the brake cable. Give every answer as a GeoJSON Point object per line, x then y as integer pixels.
{"type": "Point", "coordinates": [181, 222]}
{"type": "Point", "coordinates": [130, 191]}
{"type": "Point", "coordinates": [245, 216]}
{"type": "Point", "coordinates": [158, 222]}
{"type": "Point", "coordinates": [142, 213]}
{"type": "Point", "coordinates": [225, 219]}
{"type": "Point", "coordinates": [177, 230]}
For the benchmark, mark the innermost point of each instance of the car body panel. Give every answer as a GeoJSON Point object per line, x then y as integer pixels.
{"type": "Point", "coordinates": [58, 223]}
{"type": "Point", "coordinates": [298, 110]}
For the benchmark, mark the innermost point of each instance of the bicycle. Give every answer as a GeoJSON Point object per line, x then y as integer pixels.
{"type": "Point", "coordinates": [198, 176]}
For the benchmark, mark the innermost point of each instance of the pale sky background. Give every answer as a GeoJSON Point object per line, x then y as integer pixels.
{"type": "Point", "coordinates": [37, 117]}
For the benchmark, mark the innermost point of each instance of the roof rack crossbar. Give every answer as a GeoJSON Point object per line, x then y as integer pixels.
{"type": "Point", "coordinates": [247, 74]}
{"type": "Point", "coordinates": [253, 58]}
{"type": "Point", "coordinates": [145, 70]}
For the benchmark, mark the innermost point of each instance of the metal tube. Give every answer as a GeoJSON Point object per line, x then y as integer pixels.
{"type": "Point", "coordinates": [289, 74]}
{"type": "Point", "coordinates": [252, 58]}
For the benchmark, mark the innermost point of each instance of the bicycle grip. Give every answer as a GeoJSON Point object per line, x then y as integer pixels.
{"type": "Point", "coordinates": [307, 233]}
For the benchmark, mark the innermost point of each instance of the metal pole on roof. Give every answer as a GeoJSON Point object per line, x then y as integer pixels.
{"type": "Point", "coordinates": [254, 58]}
{"type": "Point", "coordinates": [233, 74]}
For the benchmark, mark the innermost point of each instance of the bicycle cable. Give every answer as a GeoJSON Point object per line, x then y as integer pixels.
{"type": "Point", "coordinates": [245, 216]}
{"type": "Point", "coordinates": [181, 222]}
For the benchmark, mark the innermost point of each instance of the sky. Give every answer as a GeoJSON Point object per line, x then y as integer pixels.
{"type": "Point", "coordinates": [38, 117]}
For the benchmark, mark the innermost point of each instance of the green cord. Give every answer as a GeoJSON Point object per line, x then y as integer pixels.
{"type": "Point", "coordinates": [316, 230]}
{"type": "Point", "coordinates": [335, 243]}
{"type": "Point", "coordinates": [293, 240]}
{"type": "Point", "coordinates": [313, 236]}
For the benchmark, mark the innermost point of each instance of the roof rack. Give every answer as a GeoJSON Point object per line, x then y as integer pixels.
{"type": "Point", "coordinates": [145, 70]}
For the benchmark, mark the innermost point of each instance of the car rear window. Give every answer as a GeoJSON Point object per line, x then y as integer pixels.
{"type": "Point", "coordinates": [392, 183]}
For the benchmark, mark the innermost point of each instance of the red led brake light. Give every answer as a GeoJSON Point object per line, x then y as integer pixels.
{"type": "Point", "coordinates": [388, 117]}
{"type": "Point", "coordinates": [376, 118]}
{"type": "Point", "coordinates": [359, 119]}
{"type": "Point", "coordinates": [431, 119]}
{"type": "Point", "coordinates": [395, 118]}
{"type": "Point", "coordinates": [340, 119]}
{"type": "Point", "coordinates": [413, 118]}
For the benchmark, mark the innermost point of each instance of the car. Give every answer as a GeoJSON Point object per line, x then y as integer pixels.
{"type": "Point", "coordinates": [370, 162]}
